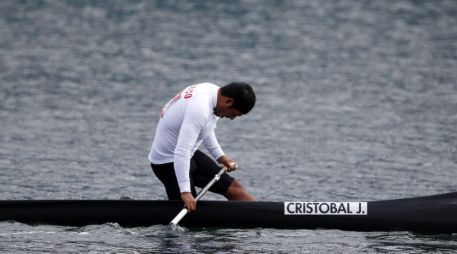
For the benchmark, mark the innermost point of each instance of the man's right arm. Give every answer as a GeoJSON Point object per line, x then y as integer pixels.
{"type": "Point", "coordinates": [188, 135]}
{"type": "Point", "coordinates": [187, 138]}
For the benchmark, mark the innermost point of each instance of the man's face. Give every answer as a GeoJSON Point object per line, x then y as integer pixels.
{"type": "Point", "coordinates": [226, 110]}
{"type": "Point", "coordinates": [229, 113]}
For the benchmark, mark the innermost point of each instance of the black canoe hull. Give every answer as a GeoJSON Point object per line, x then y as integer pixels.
{"type": "Point", "coordinates": [432, 214]}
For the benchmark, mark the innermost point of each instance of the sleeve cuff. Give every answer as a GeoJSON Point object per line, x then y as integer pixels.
{"type": "Point", "coordinates": [184, 187]}
{"type": "Point", "coordinates": [217, 154]}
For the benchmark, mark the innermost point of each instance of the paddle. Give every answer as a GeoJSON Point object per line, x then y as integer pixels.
{"type": "Point", "coordinates": [184, 211]}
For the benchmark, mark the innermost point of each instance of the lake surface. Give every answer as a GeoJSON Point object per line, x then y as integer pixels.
{"type": "Point", "coordinates": [357, 100]}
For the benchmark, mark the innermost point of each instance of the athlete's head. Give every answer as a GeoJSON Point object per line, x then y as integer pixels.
{"type": "Point", "coordinates": [242, 94]}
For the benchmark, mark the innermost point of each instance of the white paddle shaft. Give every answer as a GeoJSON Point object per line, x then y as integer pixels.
{"type": "Point", "coordinates": [184, 211]}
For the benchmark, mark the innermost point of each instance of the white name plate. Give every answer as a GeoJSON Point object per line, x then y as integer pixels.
{"type": "Point", "coordinates": [325, 208]}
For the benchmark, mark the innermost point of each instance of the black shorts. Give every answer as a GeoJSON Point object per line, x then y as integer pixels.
{"type": "Point", "coordinates": [202, 170]}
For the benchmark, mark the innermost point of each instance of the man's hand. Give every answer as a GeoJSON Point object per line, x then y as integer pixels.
{"type": "Point", "coordinates": [189, 201]}
{"type": "Point", "coordinates": [227, 162]}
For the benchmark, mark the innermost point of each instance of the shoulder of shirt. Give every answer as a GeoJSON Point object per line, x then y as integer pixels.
{"type": "Point", "coordinates": [202, 105]}
{"type": "Point", "coordinates": [209, 84]}
{"type": "Point", "coordinates": [206, 89]}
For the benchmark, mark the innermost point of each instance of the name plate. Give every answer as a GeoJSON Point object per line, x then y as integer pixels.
{"type": "Point", "coordinates": [325, 208]}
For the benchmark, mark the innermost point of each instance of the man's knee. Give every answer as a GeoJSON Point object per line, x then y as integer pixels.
{"type": "Point", "coordinates": [237, 192]}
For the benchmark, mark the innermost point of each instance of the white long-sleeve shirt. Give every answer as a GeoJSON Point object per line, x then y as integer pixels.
{"type": "Point", "coordinates": [186, 121]}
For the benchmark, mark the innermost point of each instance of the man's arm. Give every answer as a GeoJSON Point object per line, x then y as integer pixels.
{"type": "Point", "coordinates": [212, 145]}
{"type": "Point", "coordinates": [188, 135]}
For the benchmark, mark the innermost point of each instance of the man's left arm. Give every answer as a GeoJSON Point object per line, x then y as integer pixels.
{"type": "Point", "coordinates": [212, 145]}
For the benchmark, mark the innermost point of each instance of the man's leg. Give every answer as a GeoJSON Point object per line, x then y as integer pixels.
{"type": "Point", "coordinates": [166, 174]}
{"type": "Point", "coordinates": [237, 192]}
{"type": "Point", "coordinates": [227, 186]}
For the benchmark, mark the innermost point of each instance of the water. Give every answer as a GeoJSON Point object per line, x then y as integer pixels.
{"type": "Point", "coordinates": [357, 100]}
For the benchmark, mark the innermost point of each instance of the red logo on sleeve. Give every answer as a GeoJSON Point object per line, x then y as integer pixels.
{"type": "Point", "coordinates": [187, 94]}
{"type": "Point", "coordinates": [188, 91]}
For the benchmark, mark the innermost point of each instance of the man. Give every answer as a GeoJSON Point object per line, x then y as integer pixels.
{"type": "Point", "coordinates": [188, 120]}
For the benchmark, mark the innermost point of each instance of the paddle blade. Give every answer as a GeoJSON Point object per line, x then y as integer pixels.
{"type": "Point", "coordinates": [175, 228]}
{"type": "Point", "coordinates": [178, 217]}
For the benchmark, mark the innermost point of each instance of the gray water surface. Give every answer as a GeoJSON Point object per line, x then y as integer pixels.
{"type": "Point", "coordinates": [357, 100]}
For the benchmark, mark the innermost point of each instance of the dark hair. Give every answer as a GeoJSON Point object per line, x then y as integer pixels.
{"type": "Point", "coordinates": [242, 94]}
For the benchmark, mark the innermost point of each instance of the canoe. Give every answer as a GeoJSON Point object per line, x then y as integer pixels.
{"type": "Point", "coordinates": [428, 214]}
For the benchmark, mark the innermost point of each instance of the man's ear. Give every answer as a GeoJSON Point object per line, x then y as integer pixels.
{"type": "Point", "coordinates": [229, 101]}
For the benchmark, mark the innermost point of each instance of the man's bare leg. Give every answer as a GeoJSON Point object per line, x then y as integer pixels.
{"type": "Point", "coordinates": [237, 192]}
